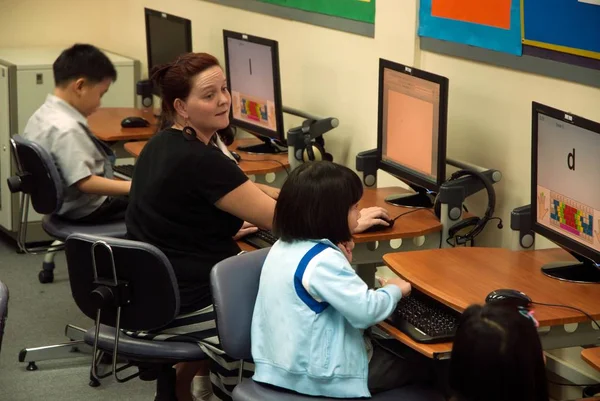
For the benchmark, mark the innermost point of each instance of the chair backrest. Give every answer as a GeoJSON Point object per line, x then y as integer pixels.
{"type": "Point", "coordinates": [3, 309]}
{"type": "Point", "coordinates": [146, 276]}
{"type": "Point", "coordinates": [38, 176]}
{"type": "Point", "coordinates": [234, 286]}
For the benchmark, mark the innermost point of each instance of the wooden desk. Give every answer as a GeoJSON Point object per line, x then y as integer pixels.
{"type": "Point", "coordinates": [412, 225]}
{"type": "Point", "coordinates": [105, 124]}
{"type": "Point", "coordinates": [251, 164]}
{"type": "Point", "coordinates": [459, 277]}
{"type": "Point", "coordinates": [592, 357]}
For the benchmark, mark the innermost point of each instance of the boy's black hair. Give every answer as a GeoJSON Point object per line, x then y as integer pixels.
{"type": "Point", "coordinates": [497, 356]}
{"type": "Point", "coordinates": [82, 61]}
{"type": "Point", "coordinates": [314, 203]}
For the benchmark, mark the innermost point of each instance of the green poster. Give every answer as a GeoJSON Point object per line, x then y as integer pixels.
{"type": "Point", "coordinates": [359, 10]}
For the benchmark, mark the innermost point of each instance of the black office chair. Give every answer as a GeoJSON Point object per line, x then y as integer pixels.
{"type": "Point", "coordinates": [128, 285]}
{"type": "Point", "coordinates": [38, 179]}
{"type": "Point", "coordinates": [3, 309]}
{"type": "Point", "coordinates": [234, 284]}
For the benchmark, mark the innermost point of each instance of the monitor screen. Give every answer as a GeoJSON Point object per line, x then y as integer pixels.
{"type": "Point", "coordinates": [565, 176]}
{"type": "Point", "coordinates": [253, 78]}
{"type": "Point", "coordinates": [167, 37]}
{"type": "Point", "coordinates": [412, 124]}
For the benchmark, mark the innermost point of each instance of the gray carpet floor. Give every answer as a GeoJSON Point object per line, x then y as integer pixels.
{"type": "Point", "coordinates": [37, 316]}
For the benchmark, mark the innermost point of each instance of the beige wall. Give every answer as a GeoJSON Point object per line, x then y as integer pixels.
{"type": "Point", "coordinates": [333, 73]}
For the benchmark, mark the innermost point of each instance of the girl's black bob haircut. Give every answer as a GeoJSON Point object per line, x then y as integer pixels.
{"type": "Point", "coordinates": [314, 203]}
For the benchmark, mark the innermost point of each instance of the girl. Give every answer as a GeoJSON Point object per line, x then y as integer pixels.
{"type": "Point", "coordinates": [312, 308]}
{"type": "Point", "coordinates": [497, 356]}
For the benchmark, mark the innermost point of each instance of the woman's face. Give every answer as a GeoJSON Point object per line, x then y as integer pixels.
{"type": "Point", "coordinates": [207, 106]}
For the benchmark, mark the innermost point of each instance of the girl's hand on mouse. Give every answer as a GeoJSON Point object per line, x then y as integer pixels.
{"type": "Point", "coordinates": [371, 216]}
{"type": "Point", "coordinates": [347, 248]}
{"type": "Point", "coordinates": [404, 285]}
{"type": "Point", "coordinates": [247, 228]}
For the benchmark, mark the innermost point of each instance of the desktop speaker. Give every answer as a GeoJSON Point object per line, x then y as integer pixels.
{"type": "Point", "coordinates": [144, 90]}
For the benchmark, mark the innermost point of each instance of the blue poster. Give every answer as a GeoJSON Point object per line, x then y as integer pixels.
{"type": "Point", "coordinates": [474, 34]}
{"type": "Point", "coordinates": [575, 25]}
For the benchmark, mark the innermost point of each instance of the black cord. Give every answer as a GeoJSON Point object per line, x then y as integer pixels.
{"type": "Point", "coordinates": [267, 160]}
{"type": "Point", "coordinates": [413, 211]}
{"type": "Point", "coordinates": [569, 307]}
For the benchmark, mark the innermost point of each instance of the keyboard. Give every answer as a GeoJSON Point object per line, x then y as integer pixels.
{"type": "Point", "coordinates": [424, 319]}
{"type": "Point", "coordinates": [260, 239]}
{"type": "Point", "coordinates": [123, 171]}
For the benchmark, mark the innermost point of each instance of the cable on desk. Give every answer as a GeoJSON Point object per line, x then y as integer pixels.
{"type": "Point", "coordinates": [267, 160]}
{"type": "Point", "coordinates": [416, 210]}
{"type": "Point", "coordinates": [569, 307]}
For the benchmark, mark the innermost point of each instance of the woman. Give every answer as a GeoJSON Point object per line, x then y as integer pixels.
{"type": "Point", "coordinates": [192, 201]}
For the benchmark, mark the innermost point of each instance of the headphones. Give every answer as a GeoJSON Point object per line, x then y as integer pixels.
{"type": "Point", "coordinates": [477, 224]}
{"type": "Point", "coordinates": [314, 150]}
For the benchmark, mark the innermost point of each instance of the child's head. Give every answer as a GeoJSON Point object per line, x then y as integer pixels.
{"type": "Point", "coordinates": [318, 200]}
{"type": "Point", "coordinates": [497, 356]}
{"type": "Point", "coordinates": [83, 74]}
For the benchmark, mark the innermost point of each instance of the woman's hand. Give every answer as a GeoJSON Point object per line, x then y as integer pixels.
{"type": "Point", "coordinates": [347, 248]}
{"type": "Point", "coordinates": [371, 216]}
{"type": "Point", "coordinates": [247, 228]}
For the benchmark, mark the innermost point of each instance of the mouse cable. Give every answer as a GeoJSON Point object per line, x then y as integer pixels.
{"type": "Point", "coordinates": [413, 211]}
{"type": "Point", "coordinates": [416, 210]}
{"type": "Point", "coordinates": [267, 160]}
{"type": "Point", "coordinates": [569, 307]}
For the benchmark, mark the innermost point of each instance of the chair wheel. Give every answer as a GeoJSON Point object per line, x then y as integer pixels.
{"type": "Point", "coordinates": [46, 276]}
{"type": "Point", "coordinates": [31, 366]}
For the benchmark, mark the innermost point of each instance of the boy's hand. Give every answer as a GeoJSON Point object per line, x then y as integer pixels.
{"type": "Point", "coordinates": [347, 248]}
{"type": "Point", "coordinates": [404, 285]}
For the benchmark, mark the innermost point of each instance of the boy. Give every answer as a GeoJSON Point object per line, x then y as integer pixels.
{"type": "Point", "coordinates": [82, 75]}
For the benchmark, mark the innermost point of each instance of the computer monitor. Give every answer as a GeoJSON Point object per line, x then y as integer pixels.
{"type": "Point", "coordinates": [252, 66]}
{"type": "Point", "coordinates": [565, 195]}
{"type": "Point", "coordinates": [411, 130]}
{"type": "Point", "coordinates": [167, 37]}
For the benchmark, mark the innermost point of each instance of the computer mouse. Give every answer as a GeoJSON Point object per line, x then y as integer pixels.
{"type": "Point", "coordinates": [236, 156]}
{"type": "Point", "coordinates": [380, 227]}
{"type": "Point", "coordinates": [508, 297]}
{"type": "Point", "coordinates": [134, 122]}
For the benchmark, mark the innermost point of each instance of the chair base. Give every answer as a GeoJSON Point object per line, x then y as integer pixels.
{"type": "Point", "coordinates": [75, 348]}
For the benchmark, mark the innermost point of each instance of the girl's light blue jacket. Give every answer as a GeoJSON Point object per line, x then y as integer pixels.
{"type": "Point", "coordinates": [309, 317]}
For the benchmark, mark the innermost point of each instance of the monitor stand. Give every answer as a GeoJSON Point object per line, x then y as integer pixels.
{"type": "Point", "coordinates": [270, 146]}
{"type": "Point", "coordinates": [585, 271]}
{"type": "Point", "coordinates": [420, 198]}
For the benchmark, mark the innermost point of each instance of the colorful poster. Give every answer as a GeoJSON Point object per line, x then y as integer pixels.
{"type": "Point", "coordinates": [575, 26]}
{"type": "Point", "coordinates": [491, 24]}
{"type": "Point", "coordinates": [359, 10]}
